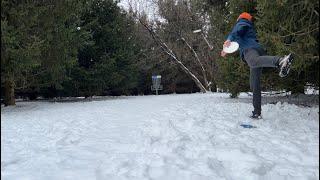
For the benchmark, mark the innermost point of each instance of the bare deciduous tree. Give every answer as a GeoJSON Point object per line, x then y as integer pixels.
{"type": "Point", "coordinates": [173, 30]}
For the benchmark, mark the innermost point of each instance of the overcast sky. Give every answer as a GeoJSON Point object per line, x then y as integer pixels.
{"type": "Point", "coordinates": [147, 6]}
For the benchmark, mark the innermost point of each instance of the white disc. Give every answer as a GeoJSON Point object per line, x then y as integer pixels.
{"type": "Point", "coordinates": [234, 46]}
{"type": "Point", "coordinates": [196, 31]}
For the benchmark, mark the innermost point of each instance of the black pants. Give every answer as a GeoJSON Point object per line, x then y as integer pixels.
{"type": "Point", "coordinates": [257, 59]}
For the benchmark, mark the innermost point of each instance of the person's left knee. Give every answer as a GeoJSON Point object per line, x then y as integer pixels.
{"type": "Point", "coordinates": [253, 63]}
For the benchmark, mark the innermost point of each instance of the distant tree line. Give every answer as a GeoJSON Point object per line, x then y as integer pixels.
{"type": "Point", "coordinates": [67, 48]}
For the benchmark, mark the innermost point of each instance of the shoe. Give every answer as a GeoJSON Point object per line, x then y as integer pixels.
{"type": "Point", "coordinates": [255, 115]}
{"type": "Point", "coordinates": [284, 65]}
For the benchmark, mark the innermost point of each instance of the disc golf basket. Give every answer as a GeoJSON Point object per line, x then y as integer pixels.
{"type": "Point", "coordinates": [156, 86]}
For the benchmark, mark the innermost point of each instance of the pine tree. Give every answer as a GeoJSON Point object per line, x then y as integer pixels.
{"type": "Point", "coordinates": [59, 28]}
{"type": "Point", "coordinates": [20, 45]}
{"type": "Point", "coordinates": [107, 65]}
{"type": "Point", "coordinates": [39, 42]}
{"type": "Point", "coordinates": [292, 27]}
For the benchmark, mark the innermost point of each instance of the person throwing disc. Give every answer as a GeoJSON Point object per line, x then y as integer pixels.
{"type": "Point", "coordinates": [253, 54]}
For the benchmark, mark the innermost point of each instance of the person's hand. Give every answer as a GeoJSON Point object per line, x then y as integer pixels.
{"type": "Point", "coordinates": [223, 54]}
{"type": "Point", "coordinates": [226, 43]}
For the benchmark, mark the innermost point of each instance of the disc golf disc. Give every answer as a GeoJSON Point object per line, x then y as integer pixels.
{"type": "Point", "coordinates": [234, 46]}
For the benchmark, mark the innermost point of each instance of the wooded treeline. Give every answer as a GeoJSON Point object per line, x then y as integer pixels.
{"type": "Point", "coordinates": [67, 48]}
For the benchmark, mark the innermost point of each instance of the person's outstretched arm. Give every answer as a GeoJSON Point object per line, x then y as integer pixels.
{"type": "Point", "coordinates": [238, 31]}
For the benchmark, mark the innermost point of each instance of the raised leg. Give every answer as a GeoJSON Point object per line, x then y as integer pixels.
{"type": "Point", "coordinates": [256, 59]}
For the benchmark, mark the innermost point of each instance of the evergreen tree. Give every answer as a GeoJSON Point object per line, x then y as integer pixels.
{"type": "Point", "coordinates": [106, 66]}
{"type": "Point", "coordinates": [20, 45]}
{"type": "Point", "coordinates": [39, 42]}
{"type": "Point", "coordinates": [61, 31]}
{"type": "Point", "coordinates": [292, 27]}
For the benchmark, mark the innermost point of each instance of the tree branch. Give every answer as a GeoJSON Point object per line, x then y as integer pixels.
{"type": "Point", "coordinates": [197, 58]}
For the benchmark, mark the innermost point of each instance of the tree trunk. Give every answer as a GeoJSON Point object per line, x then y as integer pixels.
{"type": "Point", "coordinates": [213, 87]}
{"type": "Point", "coordinates": [9, 99]}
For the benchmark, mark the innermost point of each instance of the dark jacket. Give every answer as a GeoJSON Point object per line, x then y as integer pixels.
{"type": "Point", "coordinates": [244, 34]}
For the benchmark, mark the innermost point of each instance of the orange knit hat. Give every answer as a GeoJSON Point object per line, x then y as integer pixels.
{"type": "Point", "coordinates": [245, 15]}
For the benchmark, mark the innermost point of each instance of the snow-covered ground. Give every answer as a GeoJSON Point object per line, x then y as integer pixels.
{"type": "Point", "coordinates": [167, 137]}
